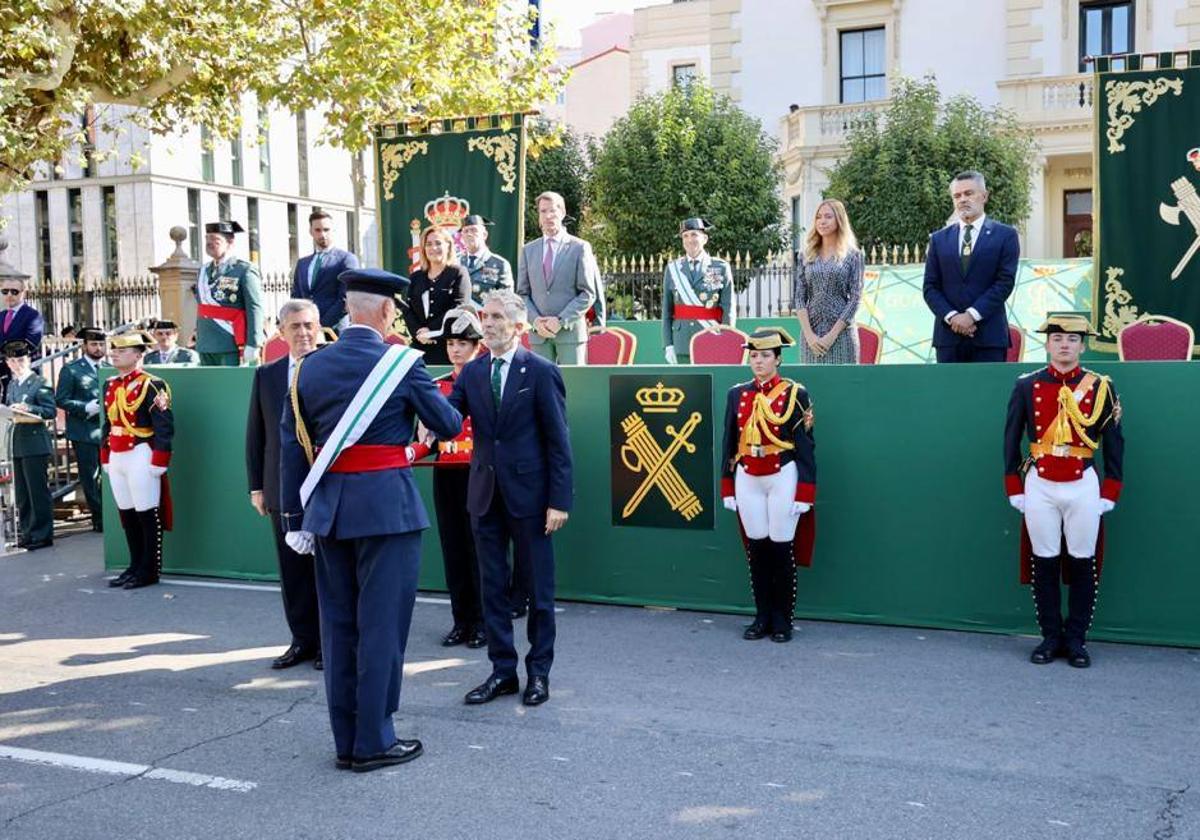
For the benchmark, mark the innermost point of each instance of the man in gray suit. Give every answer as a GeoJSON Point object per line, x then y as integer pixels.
{"type": "Point", "coordinates": [558, 277]}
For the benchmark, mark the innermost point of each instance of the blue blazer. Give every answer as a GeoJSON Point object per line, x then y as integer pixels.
{"type": "Point", "coordinates": [327, 292]}
{"type": "Point", "coordinates": [989, 281]}
{"type": "Point", "coordinates": [524, 449]}
{"type": "Point", "coordinates": [349, 505]}
{"type": "Point", "coordinates": [27, 323]}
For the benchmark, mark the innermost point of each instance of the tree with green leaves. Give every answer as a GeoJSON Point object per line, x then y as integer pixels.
{"type": "Point", "coordinates": [895, 180]}
{"type": "Point", "coordinates": [685, 152]}
{"type": "Point", "coordinates": [181, 62]}
{"type": "Point", "coordinates": [556, 162]}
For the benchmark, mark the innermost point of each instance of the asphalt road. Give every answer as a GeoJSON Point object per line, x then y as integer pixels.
{"type": "Point", "coordinates": [152, 714]}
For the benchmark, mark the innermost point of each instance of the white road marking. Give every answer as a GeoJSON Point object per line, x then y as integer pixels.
{"type": "Point", "coordinates": [121, 768]}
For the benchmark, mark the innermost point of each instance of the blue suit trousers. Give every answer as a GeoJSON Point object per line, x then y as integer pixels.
{"type": "Point", "coordinates": [366, 588]}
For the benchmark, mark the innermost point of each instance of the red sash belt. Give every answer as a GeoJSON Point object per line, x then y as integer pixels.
{"type": "Point", "coordinates": [368, 457]}
{"type": "Point", "coordinates": [124, 443]}
{"type": "Point", "coordinates": [698, 313]}
{"type": "Point", "coordinates": [227, 313]}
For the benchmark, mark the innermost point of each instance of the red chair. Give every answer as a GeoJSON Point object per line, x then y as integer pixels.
{"type": "Point", "coordinates": [274, 349]}
{"type": "Point", "coordinates": [610, 346]}
{"type": "Point", "coordinates": [870, 344]}
{"type": "Point", "coordinates": [1016, 344]}
{"type": "Point", "coordinates": [723, 347]}
{"type": "Point", "coordinates": [525, 340]}
{"type": "Point", "coordinates": [1156, 338]}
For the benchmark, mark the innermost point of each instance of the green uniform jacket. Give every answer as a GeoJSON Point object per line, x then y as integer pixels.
{"type": "Point", "coordinates": [180, 356]}
{"type": "Point", "coordinates": [236, 285]}
{"type": "Point", "coordinates": [31, 438]}
{"type": "Point", "coordinates": [78, 385]}
{"type": "Point", "coordinates": [490, 272]}
{"type": "Point", "coordinates": [712, 281]}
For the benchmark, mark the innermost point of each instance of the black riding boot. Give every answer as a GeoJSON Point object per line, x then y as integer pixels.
{"type": "Point", "coordinates": [760, 587]}
{"type": "Point", "coordinates": [151, 566]}
{"type": "Point", "coordinates": [1081, 605]}
{"type": "Point", "coordinates": [133, 538]}
{"type": "Point", "coordinates": [1047, 602]}
{"type": "Point", "coordinates": [783, 591]}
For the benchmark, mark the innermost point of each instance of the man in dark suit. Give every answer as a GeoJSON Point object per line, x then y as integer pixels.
{"type": "Point", "coordinates": [316, 276]}
{"type": "Point", "coordinates": [299, 323]}
{"type": "Point", "coordinates": [18, 322]}
{"type": "Point", "coordinates": [519, 490]}
{"type": "Point", "coordinates": [345, 486]}
{"type": "Point", "coordinates": [970, 269]}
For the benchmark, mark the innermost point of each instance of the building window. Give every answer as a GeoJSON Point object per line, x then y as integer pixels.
{"type": "Point", "coordinates": [207, 163]}
{"type": "Point", "coordinates": [302, 150]}
{"type": "Point", "coordinates": [194, 224]}
{"type": "Point", "coordinates": [252, 227]}
{"type": "Point", "coordinates": [108, 199]}
{"type": "Point", "coordinates": [235, 160]}
{"type": "Point", "coordinates": [863, 58]}
{"type": "Point", "coordinates": [682, 75]}
{"type": "Point", "coordinates": [293, 214]}
{"type": "Point", "coordinates": [41, 219]}
{"type": "Point", "coordinates": [352, 232]}
{"type": "Point", "coordinates": [223, 211]}
{"type": "Point", "coordinates": [75, 231]}
{"type": "Point", "coordinates": [1105, 29]}
{"type": "Point", "coordinates": [264, 149]}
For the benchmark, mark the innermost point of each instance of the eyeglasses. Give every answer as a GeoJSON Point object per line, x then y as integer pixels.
{"type": "Point", "coordinates": [11, 291]}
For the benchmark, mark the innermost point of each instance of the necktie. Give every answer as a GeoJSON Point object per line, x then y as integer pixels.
{"type": "Point", "coordinates": [471, 262]}
{"type": "Point", "coordinates": [316, 267]}
{"type": "Point", "coordinates": [8, 318]}
{"type": "Point", "coordinates": [966, 247]}
{"type": "Point", "coordinates": [496, 365]}
{"type": "Point", "coordinates": [547, 258]}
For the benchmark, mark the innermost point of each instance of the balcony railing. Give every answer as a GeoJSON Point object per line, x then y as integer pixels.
{"type": "Point", "coordinates": [1058, 100]}
{"type": "Point", "coordinates": [828, 125]}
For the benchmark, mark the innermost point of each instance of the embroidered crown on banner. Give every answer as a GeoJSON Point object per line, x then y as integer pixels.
{"type": "Point", "coordinates": [660, 399]}
{"type": "Point", "coordinates": [447, 211]}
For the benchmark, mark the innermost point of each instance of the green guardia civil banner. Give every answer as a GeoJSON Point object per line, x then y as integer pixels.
{"type": "Point", "coordinates": [661, 460]}
{"type": "Point", "coordinates": [1148, 168]}
{"type": "Point", "coordinates": [443, 172]}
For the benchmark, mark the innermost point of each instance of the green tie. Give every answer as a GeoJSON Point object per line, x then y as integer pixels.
{"type": "Point", "coordinates": [312, 278]}
{"type": "Point", "coordinates": [497, 363]}
{"type": "Point", "coordinates": [966, 248]}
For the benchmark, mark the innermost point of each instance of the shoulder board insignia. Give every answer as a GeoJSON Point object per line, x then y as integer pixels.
{"type": "Point", "coordinates": [1028, 375]}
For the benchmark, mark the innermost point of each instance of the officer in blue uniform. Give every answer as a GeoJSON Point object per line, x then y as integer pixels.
{"type": "Point", "coordinates": [351, 415]}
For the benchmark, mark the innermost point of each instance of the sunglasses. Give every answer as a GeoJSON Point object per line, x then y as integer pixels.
{"type": "Point", "coordinates": [10, 291]}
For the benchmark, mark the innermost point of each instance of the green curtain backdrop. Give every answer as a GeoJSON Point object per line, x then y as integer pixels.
{"type": "Point", "coordinates": [1148, 249]}
{"type": "Point", "coordinates": [476, 164]}
{"type": "Point", "coordinates": [914, 528]}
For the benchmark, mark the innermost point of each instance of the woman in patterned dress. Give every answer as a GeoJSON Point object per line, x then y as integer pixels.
{"type": "Point", "coordinates": [828, 288]}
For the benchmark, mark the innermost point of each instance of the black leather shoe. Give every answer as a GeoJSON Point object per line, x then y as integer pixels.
{"type": "Point", "coordinates": [318, 662]}
{"type": "Point", "coordinates": [121, 579]}
{"type": "Point", "coordinates": [1077, 657]}
{"type": "Point", "coordinates": [456, 636]}
{"type": "Point", "coordinates": [782, 636]}
{"type": "Point", "coordinates": [294, 655]}
{"type": "Point", "coordinates": [1046, 652]}
{"type": "Point", "coordinates": [400, 752]}
{"type": "Point", "coordinates": [136, 582]}
{"type": "Point", "coordinates": [519, 612]}
{"type": "Point", "coordinates": [537, 691]}
{"type": "Point", "coordinates": [756, 630]}
{"type": "Point", "coordinates": [477, 638]}
{"type": "Point", "coordinates": [491, 688]}
{"type": "Point", "coordinates": [34, 546]}
{"type": "Point", "coordinates": [342, 762]}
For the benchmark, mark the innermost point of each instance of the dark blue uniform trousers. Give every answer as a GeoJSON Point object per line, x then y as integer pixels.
{"type": "Point", "coordinates": [533, 558]}
{"type": "Point", "coordinates": [366, 588]}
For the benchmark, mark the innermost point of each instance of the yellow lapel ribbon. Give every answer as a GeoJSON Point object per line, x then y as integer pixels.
{"type": "Point", "coordinates": [123, 412]}
{"type": "Point", "coordinates": [763, 417]}
{"type": "Point", "coordinates": [1071, 417]}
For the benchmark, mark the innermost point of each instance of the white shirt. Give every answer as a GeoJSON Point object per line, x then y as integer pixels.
{"type": "Point", "coordinates": [507, 359]}
{"type": "Point", "coordinates": [20, 380]}
{"type": "Point", "coordinates": [976, 229]}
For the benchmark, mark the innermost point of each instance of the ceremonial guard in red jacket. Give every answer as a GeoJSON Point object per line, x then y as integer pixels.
{"type": "Point", "coordinates": [135, 449]}
{"type": "Point", "coordinates": [462, 333]}
{"type": "Point", "coordinates": [768, 476]}
{"type": "Point", "coordinates": [1067, 412]}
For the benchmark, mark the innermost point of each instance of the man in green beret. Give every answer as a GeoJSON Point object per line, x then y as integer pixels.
{"type": "Point", "coordinates": [78, 395]}
{"type": "Point", "coordinates": [229, 302]}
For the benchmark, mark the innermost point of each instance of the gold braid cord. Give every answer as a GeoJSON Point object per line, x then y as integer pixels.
{"type": "Point", "coordinates": [301, 429]}
{"type": "Point", "coordinates": [763, 417]}
{"type": "Point", "coordinates": [123, 412]}
{"type": "Point", "coordinates": [1071, 417]}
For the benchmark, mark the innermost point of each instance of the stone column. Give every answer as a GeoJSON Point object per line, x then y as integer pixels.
{"type": "Point", "coordinates": [176, 280]}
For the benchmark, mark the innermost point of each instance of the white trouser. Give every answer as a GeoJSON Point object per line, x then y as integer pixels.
{"type": "Point", "coordinates": [764, 503]}
{"type": "Point", "coordinates": [130, 479]}
{"type": "Point", "coordinates": [1057, 508]}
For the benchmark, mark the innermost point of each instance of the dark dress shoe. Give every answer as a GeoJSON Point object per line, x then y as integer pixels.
{"type": "Point", "coordinates": [318, 662]}
{"type": "Point", "coordinates": [136, 582]}
{"type": "Point", "coordinates": [490, 689]}
{"type": "Point", "coordinates": [342, 762]}
{"type": "Point", "coordinates": [121, 579]}
{"type": "Point", "coordinates": [400, 752]}
{"type": "Point", "coordinates": [1077, 657]}
{"type": "Point", "coordinates": [477, 638]}
{"type": "Point", "coordinates": [456, 636]}
{"type": "Point", "coordinates": [537, 691]}
{"type": "Point", "coordinates": [1046, 652]}
{"type": "Point", "coordinates": [294, 655]}
{"type": "Point", "coordinates": [756, 630]}
{"type": "Point", "coordinates": [782, 636]}
{"type": "Point", "coordinates": [34, 546]}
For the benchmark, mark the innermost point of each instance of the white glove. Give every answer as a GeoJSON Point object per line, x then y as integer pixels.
{"type": "Point", "coordinates": [1018, 502]}
{"type": "Point", "coordinates": [669, 352]}
{"type": "Point", "coordinates": [157, 472]}
{"type": "Point", "coordinates": [409, 453]}
{"type": "Point", "coordinates": [92, 408]}
{"type": "Point", "coordinates": [301, 542]}
{"type": "Point", "coordinates": [104, 468]}
{"type": "Point", "coordinates": [250, 355]}
{"type": "Point", "coordinates": [799, 508]}
{"type": "Point", "coordinates": [730, 502]}
{"type": "Point", "coordinates": [1106, 505]}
